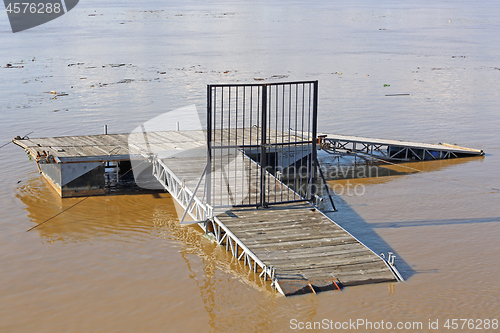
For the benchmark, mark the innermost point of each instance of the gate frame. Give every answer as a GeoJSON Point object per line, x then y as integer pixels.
{"type": "Point", "coordinates": [263, 139]}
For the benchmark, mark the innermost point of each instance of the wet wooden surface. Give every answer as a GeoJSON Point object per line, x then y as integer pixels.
{"type": "Point", "coordinates": [298, 240]}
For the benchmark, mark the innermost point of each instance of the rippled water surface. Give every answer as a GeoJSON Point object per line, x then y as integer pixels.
{"type": "Point", "coordinates": [123, 264]}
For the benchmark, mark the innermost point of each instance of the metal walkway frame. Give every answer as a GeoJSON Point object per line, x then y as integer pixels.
{"type": "Point", "coordinates": [402, 151]}
{"type": "Point", "coordinates": [203, 215]}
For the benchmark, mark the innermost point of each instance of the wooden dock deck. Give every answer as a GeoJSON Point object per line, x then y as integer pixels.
{"type": "Point", "coordinates": [295, 245]}
{"type": "Point", "coordinates": [292, 244]}
{"type": "Point", "coordinates": [308, 251]}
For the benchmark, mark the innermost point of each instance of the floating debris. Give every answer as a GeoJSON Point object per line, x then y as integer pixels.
{"type": "Point", "coordinates": [107, 84]}
{"type": "Point", "coordinates": [279, 76]}
{"type": "Point", "coordinates": [9, 65]}
{"type": "Point", "coordinates": [387, 85]}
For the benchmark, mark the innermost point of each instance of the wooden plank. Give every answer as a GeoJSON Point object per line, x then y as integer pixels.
{"type": "Point", "coordinates": [290, 238]}
{"type": "Point", "coordinates": [282, 227]}
{"type": "Point", "coordinates": [358, 250]}
{"type": "Point", "coordinates": [277, 237]}
{"type": "Point", "coordinates": [342, 270]}
{"type": "Point", "coordinates": [325, 261]}
{"type": "Point", "coordinates": [319, 249]}
{"type": "Point", "coordinates": [258, 247]}
{"type": "Point", "coordinates": [362, 267]}
{"type": "Point", "coordinates": [361, 279]}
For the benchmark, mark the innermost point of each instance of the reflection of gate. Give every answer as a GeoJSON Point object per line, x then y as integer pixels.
{"type": "Point", "coordinates": [261, 143]}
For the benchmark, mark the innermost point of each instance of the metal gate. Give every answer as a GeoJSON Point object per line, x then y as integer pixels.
{"type": "Point", "coordinates": [261, 142]}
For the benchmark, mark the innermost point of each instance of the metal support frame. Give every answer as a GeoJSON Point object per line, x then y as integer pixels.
{"type": "Point", "coordinates": [202, 214]}
{"type": "Point", "coordinates": [198, 210]}
{"type": "Point", "coordinates": [392, 152]}
{"type": "Point", "coordinates": [326, 186]}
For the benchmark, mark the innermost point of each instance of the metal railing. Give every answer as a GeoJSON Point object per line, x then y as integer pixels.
{"type": "Point", "coordinates": [194, 206]}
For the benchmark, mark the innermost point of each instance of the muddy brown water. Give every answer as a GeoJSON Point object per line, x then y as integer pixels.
{"type": "Point", "coordinates": [123, 264]}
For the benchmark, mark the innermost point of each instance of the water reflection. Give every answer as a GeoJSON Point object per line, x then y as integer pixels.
{"type": "Point", "coordinates": [383, 172]}
{"type": "Point", "coordinates": [76, 219]}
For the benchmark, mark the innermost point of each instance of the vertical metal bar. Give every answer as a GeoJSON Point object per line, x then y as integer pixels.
{"type": "Point", "coordinates": [314, 139]}
{"type": "Point", "coordinates": [282, 134]}
{"type": "Point", "coordinates": [208, 180]}
{"type": "Point", "coordinates": [276, 141]}
{"type": "Point", "coordinates": [222, 144]}
{"type": "Point", "coordinates": [235, 194]}
{"type": "Point", "coordinates": [326, 186]}
{"type": "Point", "coordinates": [263, 141]}
{"type": "Point", "coordinates": [250, 127]}
{"type": "Point", "coordinates": [310, 166]}
{"type": "Point", "coordinates": [244, 143]}
{"type": "Point", "coordinates": [309, 160]}
{"type": "Point", "coordinates": [289, 136]}
{"type": "Point", "coordinates": [302, 139]}
{"type": "Point", "coordinates": [295, 139]}
{"type": "Point", "coordinates": [229, 143]}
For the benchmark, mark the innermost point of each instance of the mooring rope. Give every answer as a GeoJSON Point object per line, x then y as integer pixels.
{"type": "Point", "coordinates": [24, 137]}
{"type": "Point", "coordinates": [50, 218]}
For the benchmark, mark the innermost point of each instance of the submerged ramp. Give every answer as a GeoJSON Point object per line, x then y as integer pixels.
{"type": "Point", "coordinates": [307, 251]}
{"type": "Point", "coordinates": [393, 149]}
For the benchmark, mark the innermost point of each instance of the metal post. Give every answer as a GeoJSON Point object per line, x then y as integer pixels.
{"type": "Point", "coordinates": [208, 179]}
{"type": "Point", "coordinates": [263, 150]}
{"type": "Point", "coordinates": [314, 138]}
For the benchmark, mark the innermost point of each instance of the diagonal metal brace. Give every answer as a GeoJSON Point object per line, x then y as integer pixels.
{"type": "Point", "coordinates": [194, 194]}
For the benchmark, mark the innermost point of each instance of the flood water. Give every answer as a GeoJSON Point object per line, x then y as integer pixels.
{"type": "Point", "coordinates": [123, 264]}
